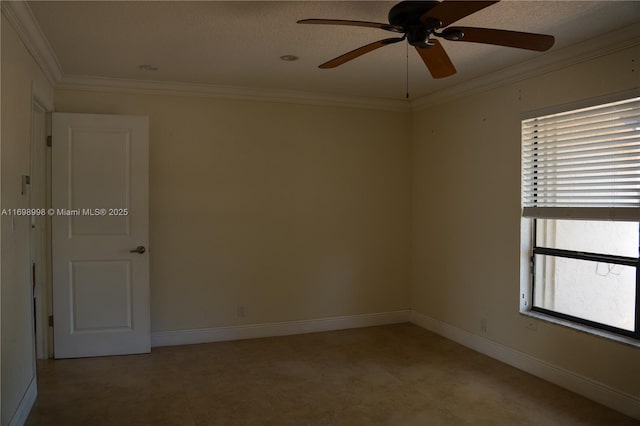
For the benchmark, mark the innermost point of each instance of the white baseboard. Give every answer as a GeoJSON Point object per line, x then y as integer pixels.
{"type": "Point", "coordinates": [596, 391]}
{"type": "Point", "coordinates": [23, 410]}
{"type": "Point", "coordinates": [252, 331]}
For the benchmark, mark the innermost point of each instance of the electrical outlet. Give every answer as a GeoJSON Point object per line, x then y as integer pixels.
{"type": "Point", "coordinates": [483, 325]}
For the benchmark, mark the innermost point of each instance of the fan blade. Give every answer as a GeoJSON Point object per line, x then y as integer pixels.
{"type": "Point", "coordinates": [359, 52]}
{"type": "Point", "coordinates": [538, 42]}
{"type": "Point", "coordinates": [436, 60]}
{"type": "Point", "coordinates": [448, 12]}
{"type": "Point", "coordinates": [381, 26]}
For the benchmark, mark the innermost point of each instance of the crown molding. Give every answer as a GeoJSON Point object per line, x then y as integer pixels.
{"type": "Point", "coordinates": [24, 22]}
{"type": "Point", "coordinates": [22, 19]}
{"type": "Point", "coordinates": [107, 84]}
{"type": "Point", "coordinates": [554, 60]}
{"type": "Point", "coordinates": [19, 14]}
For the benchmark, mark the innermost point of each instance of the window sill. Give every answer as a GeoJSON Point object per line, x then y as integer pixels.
{"type": "Point", "coordinates": [583, 328]}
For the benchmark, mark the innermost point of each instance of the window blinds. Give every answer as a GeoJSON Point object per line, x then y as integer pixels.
{"type": "Point", "coordinates": [583, 164]}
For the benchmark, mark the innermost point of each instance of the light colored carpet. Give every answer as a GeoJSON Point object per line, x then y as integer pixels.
{"type": "Point", "coordinates": [392, 375]}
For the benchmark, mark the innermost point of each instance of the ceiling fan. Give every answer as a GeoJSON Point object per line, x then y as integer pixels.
{"type": "Point", "coordinates": [418, 21]}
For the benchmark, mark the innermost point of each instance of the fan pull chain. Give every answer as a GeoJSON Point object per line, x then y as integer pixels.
{"type": "Point", "coordinates": [407, 56]}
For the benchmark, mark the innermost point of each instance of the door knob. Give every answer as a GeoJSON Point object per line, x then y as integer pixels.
{"type": "Point", "coordinates": [139, 250]}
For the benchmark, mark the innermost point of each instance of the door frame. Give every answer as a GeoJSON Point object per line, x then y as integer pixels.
{"type": "Point", "coordinates": [40, 175]}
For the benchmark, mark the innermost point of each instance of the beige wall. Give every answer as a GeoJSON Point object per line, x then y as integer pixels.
{"type": "Point", "coordinates": [300, 212]}
{"type": "Point", "coordinates": [19, 72]}
{"type": "Point", "coordinates": [466, 210]}
{"type": "Point", "coordinates": [295, 212]}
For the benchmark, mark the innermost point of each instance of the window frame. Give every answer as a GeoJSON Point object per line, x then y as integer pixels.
{"type": "Point", "coordinates": [593, 257]}
{"type": "Point", "coordinates": [529, 249]}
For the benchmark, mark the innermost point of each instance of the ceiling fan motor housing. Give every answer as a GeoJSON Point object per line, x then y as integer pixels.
{"type": "Point", "coordinates": [407, 14]}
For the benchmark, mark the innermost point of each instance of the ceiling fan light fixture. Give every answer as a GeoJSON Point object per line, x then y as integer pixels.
{"type": "Point", "coordinates": [417, 35]}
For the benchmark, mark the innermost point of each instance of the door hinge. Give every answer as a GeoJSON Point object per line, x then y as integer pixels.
{"type": "Point", "coordinates": [49, 140]}
{"type": "Point", "coordinates": [50, 320]}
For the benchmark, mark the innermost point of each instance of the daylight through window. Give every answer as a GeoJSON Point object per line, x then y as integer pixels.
{"type": "Point", "coordinates": [581, 190]}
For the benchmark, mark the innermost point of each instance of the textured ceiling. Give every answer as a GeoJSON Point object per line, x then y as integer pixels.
{"type": "Point", "coordinates": [239, 43]}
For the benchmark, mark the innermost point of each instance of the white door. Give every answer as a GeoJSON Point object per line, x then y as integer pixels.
{"type": "Point", "coordinates": [100, 235]}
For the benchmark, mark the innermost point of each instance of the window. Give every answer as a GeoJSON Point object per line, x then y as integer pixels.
{"type": "Point", "coordinates": [581, 197]}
